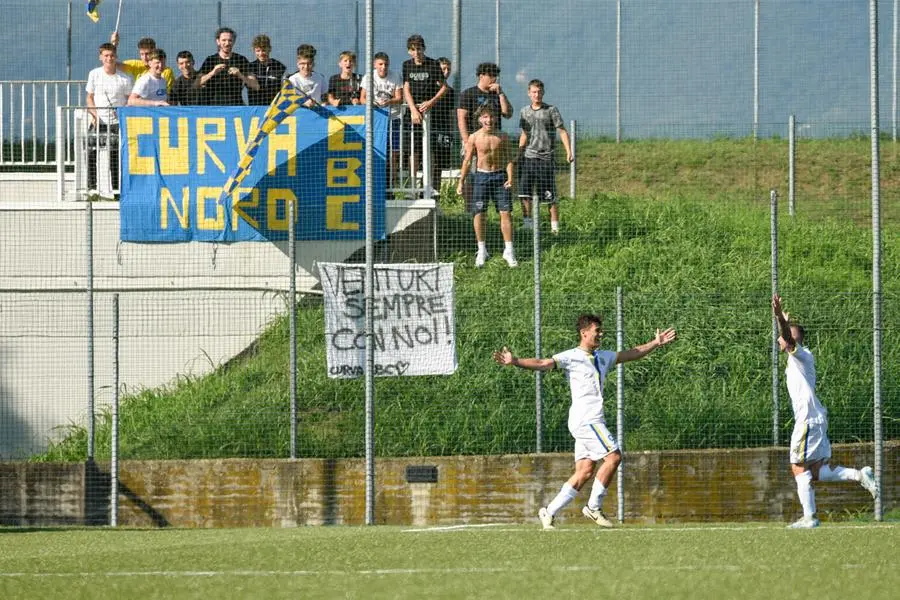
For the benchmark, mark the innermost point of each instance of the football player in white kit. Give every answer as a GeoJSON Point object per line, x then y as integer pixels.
{"type": "Point", "coordinates": [586, 367]}
{"type": "Point", "coordinates": [810, 448]}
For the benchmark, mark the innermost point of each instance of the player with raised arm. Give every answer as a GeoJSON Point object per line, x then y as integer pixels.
{"type": "Point", "coordinates": [810, 448]}
{"type": "Point", "coordinates": [586, 367]}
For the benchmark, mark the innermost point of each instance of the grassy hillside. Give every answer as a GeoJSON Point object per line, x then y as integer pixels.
{"type": "Point", "coordinates": [683, 226]}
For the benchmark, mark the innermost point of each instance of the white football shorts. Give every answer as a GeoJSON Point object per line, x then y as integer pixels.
{"type": "Point", "coordinates": [809, 443]}
{"type": "Point", "coordinates": [593, 441]}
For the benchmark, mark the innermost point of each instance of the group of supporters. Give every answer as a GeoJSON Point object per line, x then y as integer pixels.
{"type": "Point", "coordinates": [471, 118]}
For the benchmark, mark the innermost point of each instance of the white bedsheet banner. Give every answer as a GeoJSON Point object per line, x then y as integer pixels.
{"type": "Point", "coordinates": [414, 319]}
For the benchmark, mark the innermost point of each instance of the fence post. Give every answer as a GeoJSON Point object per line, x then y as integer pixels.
{"type": "Point", "coordinates": [792, 157]}
{"type": "Point", "coordinates": [538, 376]}
{"type": "Point", "coordinates": [61, 152]}
{"type": "Point", "coordinates": [894, 76]}
{"type": "Point", "coordinates": [773, 211]}
{"type": "Point", "coordinates": [89, 292]}
{"type": "Point", "coordinates": [496, 34]}
{"type": "Point", "coordinates": [756, 70]}
{"type": "Point", "coordinates": [620, 401]}
{"type": "Point", "coordinates": [370, 280]}
{"type": "Point", "coordinates": [618, 72]}
{"type": "Point", "coordinates": [456, 34]}
{"type": "Point", "coordinates": [427, 181]}
{"type": "Point", "coordinates": [114, 426]}
{"type": "Point", "coordinates": [69, 41]}
{"type": "Point", "coordinates": [876, 257]}
{"type": "Point", "coordinates": [572, 142]}
{"type": "Point", "coordinates": [292, 313]}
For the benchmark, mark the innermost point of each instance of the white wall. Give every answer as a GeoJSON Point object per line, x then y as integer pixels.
{"type": "Point", "coordinates": [165, 328]}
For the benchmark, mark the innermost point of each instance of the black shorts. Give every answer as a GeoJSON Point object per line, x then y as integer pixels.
{"type": "Point", "coordinates": [537, 176]}
{"type": "Point", "coordinates": [487, 187]}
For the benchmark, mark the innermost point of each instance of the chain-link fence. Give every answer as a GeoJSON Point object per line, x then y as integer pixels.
{"type": "Point", "coordinates": [113, 350]}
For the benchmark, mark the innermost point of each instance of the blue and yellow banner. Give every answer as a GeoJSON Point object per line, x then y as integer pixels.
{"type": "Point", "coordinates": [179, 167]}
{"type": "Point", "coordinates": [93, 10]}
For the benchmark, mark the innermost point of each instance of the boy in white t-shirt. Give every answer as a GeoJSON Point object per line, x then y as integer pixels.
{"type": "Point", "coordinates": [151, 88]}
{"type": "Point", "coordinates": [387, 89]}
{"type": "Point", "coordinates": [810, 447]}
{"type": "Point", "coordinates": [586, 367]}
{"type": "Point", "coordinates": [107, 88]}
{"type": "Point", "coordinates": [306, 79]}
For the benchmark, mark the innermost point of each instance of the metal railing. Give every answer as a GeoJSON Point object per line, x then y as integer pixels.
{"type": "Point", "coordinates": [28, 120]}
{"type": "Point", "coordinates": [71, 131]}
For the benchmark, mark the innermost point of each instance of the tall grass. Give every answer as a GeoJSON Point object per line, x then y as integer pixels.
{"type": "Point", "coordinates": [683, 227]}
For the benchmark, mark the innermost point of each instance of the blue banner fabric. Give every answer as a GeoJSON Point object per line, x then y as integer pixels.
{"type": "Point", "coordinates": [178, 162]}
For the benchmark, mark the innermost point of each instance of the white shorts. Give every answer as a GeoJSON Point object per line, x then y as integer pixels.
{"type": "Point", "coordinates": [809, 443]}
{"type": "Point", "coordinates": [593, 441]}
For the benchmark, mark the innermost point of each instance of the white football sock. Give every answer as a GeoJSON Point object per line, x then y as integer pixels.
{"type": "Point", "coordinates": [828, 473]}
{"type": "Point", "coordinates": [482, 247]}
{"type": "Point", "coordinates": [508, 246]}
{"type": "Point", "coordinates": [554, 225]}
{"type": "Point", "coordinates": [598, 492]}
{"type": "Point", "coordinates": [806, 493]}
{"type": "Point", "coordinates": [565, 495]}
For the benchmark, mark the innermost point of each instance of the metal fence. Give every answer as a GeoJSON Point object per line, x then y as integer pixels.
{"type": "Point", "coordinates": [210, 351]}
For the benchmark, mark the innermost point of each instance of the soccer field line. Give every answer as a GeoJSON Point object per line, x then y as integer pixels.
{"type": "Point", "coordinates": [269, 573]}
{"type": "Point", "coordinates": [504, 528]}
{"type": "Point", "coordinates": [380, 572]}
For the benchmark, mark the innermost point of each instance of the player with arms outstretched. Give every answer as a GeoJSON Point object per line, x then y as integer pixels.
{"type": "Point", "coordinates": [586, 367]}
{"type": "Point", "coordinates": [810, 448]}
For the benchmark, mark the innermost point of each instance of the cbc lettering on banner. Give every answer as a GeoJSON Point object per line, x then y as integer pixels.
{"type": "Point", "coordinates": [177, 160]}
{"type": "Point", "coordinates": [413, 314]}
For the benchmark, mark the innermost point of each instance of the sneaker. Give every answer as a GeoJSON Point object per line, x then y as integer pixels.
{"type": "Point", "coordinates": [510, 258]}
{"type": "Point", "coordinates": [546, 519]}
{"type": "Point", "coordinates": [804, 523]}
{"type": "Point", "coordinates": [596, 516]}
{"type": "Point", "coordinates": [480, 259]}
{"type": "Point", "coordinates": [867, 480]}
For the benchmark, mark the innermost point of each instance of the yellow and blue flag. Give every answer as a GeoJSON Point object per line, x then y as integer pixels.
{"type": "Point", "coordinates": [288, 100]}
{"type": "Point", "coordinates": [93, 10]}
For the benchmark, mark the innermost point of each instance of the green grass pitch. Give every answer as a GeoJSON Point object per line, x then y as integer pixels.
{"type": "Point", "coordinates": [858, 561]}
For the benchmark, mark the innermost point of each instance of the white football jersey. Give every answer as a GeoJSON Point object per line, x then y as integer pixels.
{"type": "Point", "coordinates": [586, 373]}
{"type": "Point", "coordinates": [800, 375]}
{"type": "Point", "coordinates": [313, 86]}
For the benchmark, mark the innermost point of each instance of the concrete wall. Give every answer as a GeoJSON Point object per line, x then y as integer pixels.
{"type": "Point", "coordinates": [184, 308]}
{"type": "Point", "coordinates": [706, 485]}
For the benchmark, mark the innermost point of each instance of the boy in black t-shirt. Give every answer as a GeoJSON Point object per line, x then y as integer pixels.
{"type": "Point", "coordinates": [343, 87]}
{"type": "Point", "coordinates": [225, 73]}
{"type": "Point", "coordinates": [444, 120]}
{"type": "Point", "coordinates": [268, 72]}
{"type": "Point", "coordinates": [423, 86]}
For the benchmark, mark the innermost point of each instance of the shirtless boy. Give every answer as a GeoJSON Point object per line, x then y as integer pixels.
{"type": "Point", "coordinates": [492, 180]}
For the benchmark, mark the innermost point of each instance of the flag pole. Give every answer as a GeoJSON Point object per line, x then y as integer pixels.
{"type": "Point", "coordinates": [118, 15]}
